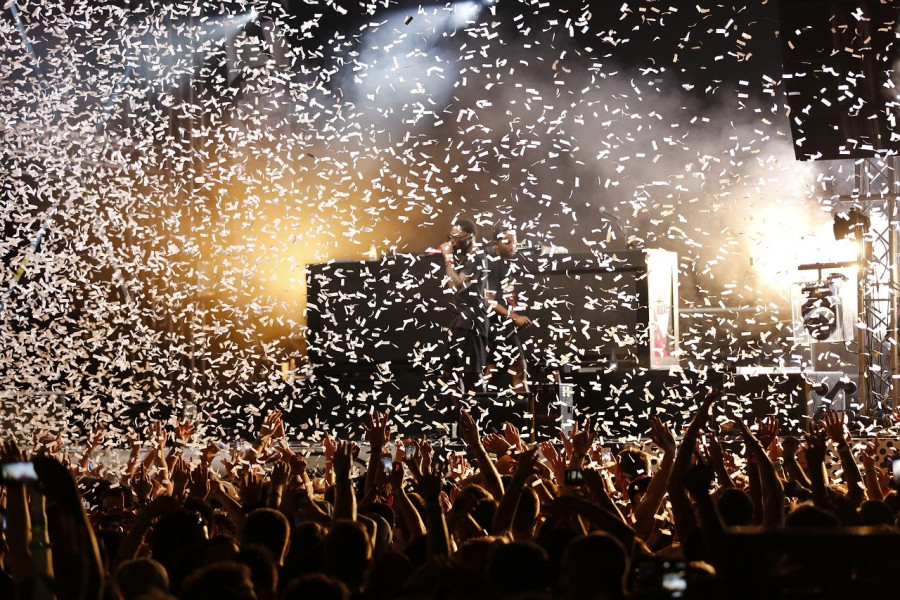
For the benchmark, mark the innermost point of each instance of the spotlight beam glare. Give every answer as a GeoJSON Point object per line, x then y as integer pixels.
{"type": "Point", "coordinates": [403, 60]}
{"type": "Point", "coordinates": [174, 50]}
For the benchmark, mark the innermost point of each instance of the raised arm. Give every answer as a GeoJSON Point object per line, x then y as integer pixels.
{"type": "Point", "coordinates": [868, 456]}
{"type": "Point", "coordinates": [816, 448]}
{"type": "Point", "coordinates": [344, 497]}
{"type": "Point", "coordinates": [131, 543]}
{"type": "Point", "coordinates": [582, 441]}
{"type": "Point", "coordinates": [770, 486]}
{"type": "Point", "coordinates": [682, 511]}
{"type": "Point", "coordinates": [698, 480]}
{"type": "Point", "coordinates": [835, 426]}
{"type": "Point", "coordinates": [717, 461]}
{"type": "Point", "coordinates": [329, 445]}
{"type": "Point", "coordinates": [789, 447]}
{"type": "Point", "coordinates": [646, 509]}
{"type": "Point", "coordinates": [403, 508]}
{"type": "Point", "coordinates": [80, 571]}
{"type": "Point", "coordinates": [183, 432]}
{"type": "Point", "coordinates": [429, 487]}
{"type": "Point", "coordinates": [377, 433]}
{"type": "Point", "coordinates": [94, 441]}
{"type": "Point", "coordinates": [156, 455]}
{"type": "Point", "coordinates": [490, 476]}
{"type": "Point", "coordinates": [135, 442]}
{"type": "Point", "coordinates": [506, 510]}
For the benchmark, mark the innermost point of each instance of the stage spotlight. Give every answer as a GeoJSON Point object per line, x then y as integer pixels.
{"type": "Point", "coordinates": [821, 310]}
{"type": "Point", "coordinates": [833, 392]}
{"type": "Point", "coordinates": [853, 223]}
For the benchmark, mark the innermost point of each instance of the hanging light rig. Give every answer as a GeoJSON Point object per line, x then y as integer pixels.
{"type": "Point", "coordinates": [822, 312]}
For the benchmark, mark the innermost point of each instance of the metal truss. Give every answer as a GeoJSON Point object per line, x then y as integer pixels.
{"type": "Point", "coordinates": [877, 189]}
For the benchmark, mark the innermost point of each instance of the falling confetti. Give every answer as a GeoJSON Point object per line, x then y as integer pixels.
{"type": "Point", "coordinates": [169, 175]}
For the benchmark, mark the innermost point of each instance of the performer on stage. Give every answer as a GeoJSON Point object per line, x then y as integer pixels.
{"type": "Point", "coordinates": [464, 273]}
{"type": "Point", "coordinates": [504, 274]}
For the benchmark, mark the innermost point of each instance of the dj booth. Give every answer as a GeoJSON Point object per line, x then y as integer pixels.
{"type": "Point", "coordinates": [604, 343]}
{"type": "Point", "coordinates": [585, 309]}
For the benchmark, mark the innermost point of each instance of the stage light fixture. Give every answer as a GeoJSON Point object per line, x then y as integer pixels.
{"type": "Point", "coordinates": [821, 309]}
{"type": "Point", "coordinates": [853, 223]}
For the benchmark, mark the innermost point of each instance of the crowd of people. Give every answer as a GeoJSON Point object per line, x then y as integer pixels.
{"type": "Point", "coordinates": [723, 509]}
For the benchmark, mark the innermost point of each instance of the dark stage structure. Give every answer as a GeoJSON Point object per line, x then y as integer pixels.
{"type": "Point", "coordinates": [604, 345]}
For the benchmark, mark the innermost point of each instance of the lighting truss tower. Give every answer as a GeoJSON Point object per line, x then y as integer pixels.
{"type": "Point", "coordinates": [876, 192]}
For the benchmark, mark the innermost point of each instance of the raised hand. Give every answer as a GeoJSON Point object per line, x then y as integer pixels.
{"type": "Point", "coordinates": [704, 412]}
{"type": "Point", "coordinates": [141, 484]}
{"type": "Point", "coordinates": [400, 449]}
{"type": "Point", "coordinates": [233, 460]}
{"type": "Point", "coordinates": [749, 439]}
{"type": "Point", "coordinates": [378, 431]}
{"type": "Point", "coordinates": [10, 452]}
{"type": "Point", "coordinates": [295, 462]}
{"type": "Point", "coordinates": [426, 452]}
{"type": "Point", "coordinates": [468, 429]}
{"type": "Point", "coordinates": [180, 475]}
{"type": "Point", "coordinates": [416, 460]}
{"type": "Point", "coordinates": [699, 478]}
{"type": "Point", "coordinates": [526, 466]}
{"type": "Point", "coordinates": [280, 473]}
{"type": "Point", "coordinates": [567, 439]}
{"type": "Point", "coordinates": [183, 431]}
{"type": "Point", "coordinates": [199, 481]}
{"type": "Point", "coordinates": [329, 445]}
{"type": "Point", "coordinates": [272, 426]}
{"type": "Point", "coordinates": [598, 484]}
{"type": "Point", "coordinates": [209, 452]}
{"type": "Point", "coordinates": [343, 459]}
{"type": "Point", "coordinates": [717, 454]}
{"type": "Point", "coordinates": [834, 425]}
{"type": "Point", "coordinates": [816, 448]}
{"type": "Point", "coordinates": [496, 443]}
{"type": "Point", "coordinates": [868, 454]}
{"type": "Point", "coordinates": [511, 433]}
{"type": "Point", "coordinates": [583, 440]}
{"type": "Point", "coordinates": [457, 467]}
{"type": "Point", "coordinates": [662, 435]}
{"type": "Point", "coordinates": [44, 441]}
{"type": "Point", "coordinates": [396, 477]}
{"type": "Point", "coordinates": [430, 484]}
{"type": "Point", "coordinates": [767, 430]}
{"type": "Point", "coordinates": [250, 487]}
{"type": "Point", "coordinates": [157, 433]}
{"type": "Point", "coordinates": [56, 482]}
{"type": "Point", "coordinates": [95, 438]}
{"type": "Point", "coordinates": [556, 460]}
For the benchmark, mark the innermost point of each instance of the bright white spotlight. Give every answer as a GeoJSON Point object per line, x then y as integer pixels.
{"type": "Point", "coordinates": [465, 12]}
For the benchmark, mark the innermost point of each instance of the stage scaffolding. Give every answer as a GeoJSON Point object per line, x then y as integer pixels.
{"type": "Point", "coordinates": [876, 191]}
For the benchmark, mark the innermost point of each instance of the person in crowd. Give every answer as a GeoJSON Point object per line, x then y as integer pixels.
{"type": "Point", "coordinates": [763, 519]}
